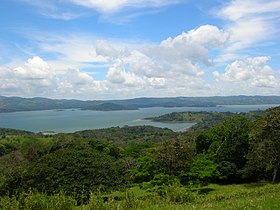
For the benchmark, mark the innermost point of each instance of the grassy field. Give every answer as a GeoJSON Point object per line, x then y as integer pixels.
{"type": "Point", "coordinates": [247, 196]}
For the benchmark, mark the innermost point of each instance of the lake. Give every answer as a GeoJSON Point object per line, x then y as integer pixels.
{"type": "Point", "coordinates": [74, 120]}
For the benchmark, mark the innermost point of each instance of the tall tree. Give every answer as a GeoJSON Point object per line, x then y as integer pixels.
{"type": "Point", "coordinates": [174, 156]}
{"type": "Point", "coordinates": [227, 145]}
{"type": "Point", "coordinates": [265, 145]}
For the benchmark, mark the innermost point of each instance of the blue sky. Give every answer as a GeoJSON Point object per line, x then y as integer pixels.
{"type": "Point", "coordinates": [104, 49]}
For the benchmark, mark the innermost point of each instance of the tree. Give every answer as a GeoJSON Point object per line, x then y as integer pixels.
{"type": "Point", "coordinates": [144, 170]}
{"type": "Point", "coordinates": [265, 143]}
{"type": "Point", "coordinates": [174, 156]}
{"type": "Point", "coordinates": [227, 145]}
{"type": "Point", "coordinates": [201, 171]}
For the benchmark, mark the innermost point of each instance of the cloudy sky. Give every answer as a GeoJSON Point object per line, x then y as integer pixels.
{"type": "Point", "coordinates": [113, 49]}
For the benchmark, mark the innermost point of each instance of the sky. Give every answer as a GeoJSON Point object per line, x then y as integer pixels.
{"type": "Point", "coordinates": [118, 49]}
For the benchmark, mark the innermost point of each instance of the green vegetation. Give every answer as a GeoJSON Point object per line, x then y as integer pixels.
{"type": "Point", "coordinates": [109, 107]}
{"type": "Point", "coordinates": [216, 197]}
{"type": "Point", "coordinates": [14, 104]}
{"type": "Point", "coordinates": [229, 165]}
{"type": "Point", "coordinates": [129, 135]}
{"type": "Point", "coordinates": [203, 120]}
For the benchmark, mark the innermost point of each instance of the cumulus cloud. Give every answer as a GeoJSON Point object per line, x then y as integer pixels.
{"type": "Point", "coordinates": [34, 69]}
{"type": "Point", "coordinates": [254, 72]}
{"type": "Point", "coordinates": [36, 77]}
{"type": "Point", "coordinates": [163, 65]}
{"type": "Point", "coordinates": [33, 77]}
{"type": "Point", "coordinates": [193, 45]}
{"type": "Point", "coordinates": [176, 66]}
{"type": "Point", "coordinates": [106, 50]}
{"type": "Point", "coordinates": [177, 56]}
{"type": "Point", "coordinates": [117, 74]}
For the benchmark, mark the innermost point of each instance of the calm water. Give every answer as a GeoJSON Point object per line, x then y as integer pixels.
{"type": "Point", "coordinates": [74, 120]}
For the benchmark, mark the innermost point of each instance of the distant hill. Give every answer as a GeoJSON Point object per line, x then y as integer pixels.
{"type": "Point", "coordinates": [14, 104]}
{"type": "Point", "coordinates": [109, 107]}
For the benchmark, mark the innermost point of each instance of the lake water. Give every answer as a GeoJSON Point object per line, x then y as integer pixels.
{"type": "Point", "coordinates": [74, 120]}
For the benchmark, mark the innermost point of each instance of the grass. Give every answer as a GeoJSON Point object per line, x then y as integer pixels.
{"type": "Point", "coordinates": [243, 196]}
{"type": "Point", "coordinates": [247, 196]}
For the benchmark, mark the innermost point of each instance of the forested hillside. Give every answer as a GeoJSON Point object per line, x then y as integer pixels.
{"type": "Point", "coordinates": [13, 104]}
{"type": "Point", "coordinates": [136, 167]}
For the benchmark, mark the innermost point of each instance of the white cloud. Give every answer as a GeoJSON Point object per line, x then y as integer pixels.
{"type": "Point", "coordinates": [33, 77]}
{"type": "Point", "coordinates": [208, 35]}
{"type": "Point", "coordinates": [63, 15]}
{"type": "Point", "coordinates": [238, 9]}
{"type": "Point", "coordinates": [37, 78]}
{"type": "Point", "coordinates": [250, 73]}
{"type": "Point", "coordinates": [250, 21]}
{"type": "Point", "coordinates": [173, 57]}
{"type": "Point", "coordinates": [176, 66]}
{"type": "Point", "coordinates": [116, 11]}
{"type": "Point", "coordinates": [193, 45]}
{"type": "Point", "coordinates": [117, 74]}
{"type": "Point", "coordinates": [106, 50]}
{"type": "Point", "coordinates": [162, 69]}
{"type": "Point", "coordinates": [55, 9]}
{"type": "Point", "coordinates": [109, 6]}
{"type": "Point", "coordinates": [175, 62]}
{"type": "Point", "coordinates": [34, 69]}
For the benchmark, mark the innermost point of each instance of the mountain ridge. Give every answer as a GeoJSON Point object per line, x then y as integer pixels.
{"type": "Point", "coordinates": [15, 104]}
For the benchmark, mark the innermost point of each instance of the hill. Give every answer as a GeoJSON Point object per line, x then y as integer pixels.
{"type": "Point", "coordinates": [14, 104]}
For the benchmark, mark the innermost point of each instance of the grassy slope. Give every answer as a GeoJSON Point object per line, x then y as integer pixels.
{"type": "Point", "coordinates": [247, 196]}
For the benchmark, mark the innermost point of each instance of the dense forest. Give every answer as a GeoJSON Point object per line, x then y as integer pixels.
{"type": "Point", "coordinates": [143, 166]}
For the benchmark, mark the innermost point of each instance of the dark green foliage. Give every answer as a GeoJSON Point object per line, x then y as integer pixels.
{"type": "Point", "coordinates": [201, 171]}
{"type": "Point", "coordinates": [210, 117]}
{"type": "Point", "coordinates": [138, 150]}
{"type": "Point", "coordinates": [144, 169]}
{"type": "Point", "coordinates": [74, 166]}
{"type": "Point", "coordinates": [6, 148]}
{"type": "Point", "coordinates": [7, 131]}
{"type": "Point", "coordinates": [174, 156]}
{"type": "Point", "coordinates": [73, 170]}
{"type": "Point", "coordinates": [264, 155]}
{"type": "Point", "coordinates": [127, 136]}
{"type": "Point", "coordinates": [227, 145]}
{"type": "Point", "coordinates": [87, 164]}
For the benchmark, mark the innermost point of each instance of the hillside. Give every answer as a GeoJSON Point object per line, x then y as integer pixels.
{"type": "Point", "coordinates": [144, 167]}
{"type": "Point", "coordinates": [14, 104]}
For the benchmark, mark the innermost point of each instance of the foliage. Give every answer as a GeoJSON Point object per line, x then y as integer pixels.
{"type": "Point", "coordinates": [143, 166]}
{"type": "Point", "coordinates": [12, 104]}
{"type": "Point", "coordinates": [144, 170]}
{"type": "Point", "coordinates": [265, 146]}
{"type": "Point", "coordinates": [201, 171]}
{"type": "Point", "coordinates": [129, 136]}
{"type": "Point", "coordinates": [192, 117]}
{"type": "Point", "coordinates": [246, 196]}
{"type": "Point", "coordinates": [174, 156]}
{"type": "Point", "coordinates": [227, 144]}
